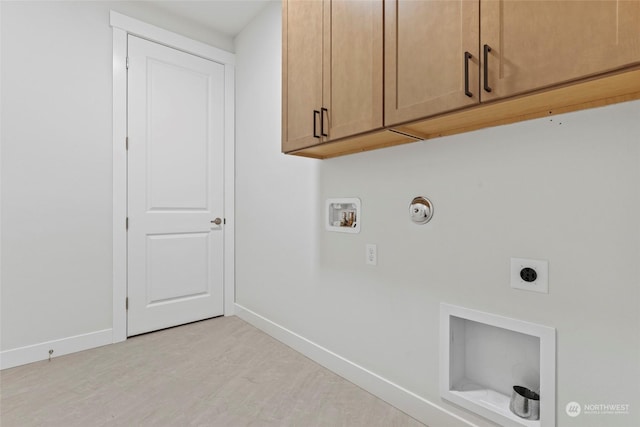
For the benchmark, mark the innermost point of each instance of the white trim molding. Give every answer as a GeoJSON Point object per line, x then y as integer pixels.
{"type": "Point", "coordinates": [418, 407]}
{"type": "Point", "coordinates": [119, 184]}
{"type": "Point", "coordinates": [171, 39]}
{"type": "Point", "coordinates": [229, 190]}
{"type": "Point", "coordinates": [60, 347]}
{"type": "Point", "coordinates": [122, 27]}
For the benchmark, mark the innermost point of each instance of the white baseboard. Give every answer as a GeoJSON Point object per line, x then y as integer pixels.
{"type": "Point", "coordinates": [36, 352]}
{"type": "Point", "coordinates": [403, 399]}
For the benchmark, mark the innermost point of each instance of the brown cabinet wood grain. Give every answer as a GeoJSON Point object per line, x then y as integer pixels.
{"type": "Point", "coordinates": [448, 66]}
{"type": "Point", "coordinates": [302, 34]}
{"type": "Point", "coordinates": [353, 67]}
{"type": "Point", "coordinates": [536, 43]}
{"type": "Point", "coordinates": [425, 46]}
{"type": "Point", "coordinates": [332, 70]}
{"type": "Point", "coordinates": [517, 46]}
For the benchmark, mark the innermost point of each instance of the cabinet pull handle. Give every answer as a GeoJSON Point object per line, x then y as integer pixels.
{"type": "Point", "coordinates": [467, 57]}
{"type": "Point", "coordinates": [315, 117]}
{"type": "Point", "coordinates": [324, 110]}
{"type": "Point", "coordinates": [487, 49]}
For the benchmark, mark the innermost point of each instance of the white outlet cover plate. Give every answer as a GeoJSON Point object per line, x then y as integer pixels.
{"type": "Point", "coordinates": [372, 254]}
{"type": "Point", "coordinates": [541, 284]}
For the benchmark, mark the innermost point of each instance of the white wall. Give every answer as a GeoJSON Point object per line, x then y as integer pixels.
{"type": "Point", "coordinates": [564, 189]}
{"type": "Point", "coordinates": [56, 165]}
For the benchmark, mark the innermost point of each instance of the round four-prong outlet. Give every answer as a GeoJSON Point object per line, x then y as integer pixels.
{"type": "Point", "coordinates": [528, 274]}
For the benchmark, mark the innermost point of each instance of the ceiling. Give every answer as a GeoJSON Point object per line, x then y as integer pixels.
{"type": "Point", "coordinates": [225, 16]}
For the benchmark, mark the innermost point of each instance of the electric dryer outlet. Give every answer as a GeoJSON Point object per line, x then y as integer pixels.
{"type": "Point", "coordinates": [530, 275]}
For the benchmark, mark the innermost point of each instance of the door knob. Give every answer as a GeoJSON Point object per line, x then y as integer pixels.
{"type": "Point", "coordinates": [216, 221]}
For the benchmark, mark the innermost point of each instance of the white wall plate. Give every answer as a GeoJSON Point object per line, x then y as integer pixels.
{"type": "Point", "coordinates": [343, 215]}
{"type": "Point", "coordinates": [535, 277]}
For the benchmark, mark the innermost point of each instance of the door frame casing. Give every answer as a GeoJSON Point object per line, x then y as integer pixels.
{"type": "Point", "coordinates": [123, 26]}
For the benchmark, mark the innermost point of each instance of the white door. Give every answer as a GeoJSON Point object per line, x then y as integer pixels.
{"type": "Point", "coordinates": [175, 187]}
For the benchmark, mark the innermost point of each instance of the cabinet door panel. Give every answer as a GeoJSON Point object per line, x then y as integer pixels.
{"type": "Point", "coordinates": [536, 43]}
{"type": "Point", "coordinates": [301, 71]}
{"type": "Point", "coordinates": [353, 43]}
{"type": "Point", "coordinates": [425, 42]}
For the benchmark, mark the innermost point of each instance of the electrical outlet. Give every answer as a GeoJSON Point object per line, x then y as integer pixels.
{"type": "Point", "coordinates": [372, 254]}
{"type": "Point", "coordinates": [530, 275]}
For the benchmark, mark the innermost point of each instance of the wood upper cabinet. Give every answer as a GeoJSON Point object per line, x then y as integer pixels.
{"type": "Point", "coordinates": [353, 67]}
{"type": "Point", "coordinates": [536, 44]}
{"type": "Point", "coordinates": [517, 46]}
{"type": "Point", "coordinates": [444, 63]}
{"type": "Point", "coordinates": [332, 70]}
{"type": "Point", "coordinates": [302, 34]}
{"type": "Point", "coordinates": [429, 44]}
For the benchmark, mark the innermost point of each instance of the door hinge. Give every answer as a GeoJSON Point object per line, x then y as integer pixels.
{"type": "Point", "coordinates": [126, 303]}
{"type": "Point", "coordinates": [224, 221]}
{"type": "Point", "coordinates": [127, 223]}
{"type": "Point", "coordinates": [126, 142]}
{"type": "Point", "coordinates": [127, 62]}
